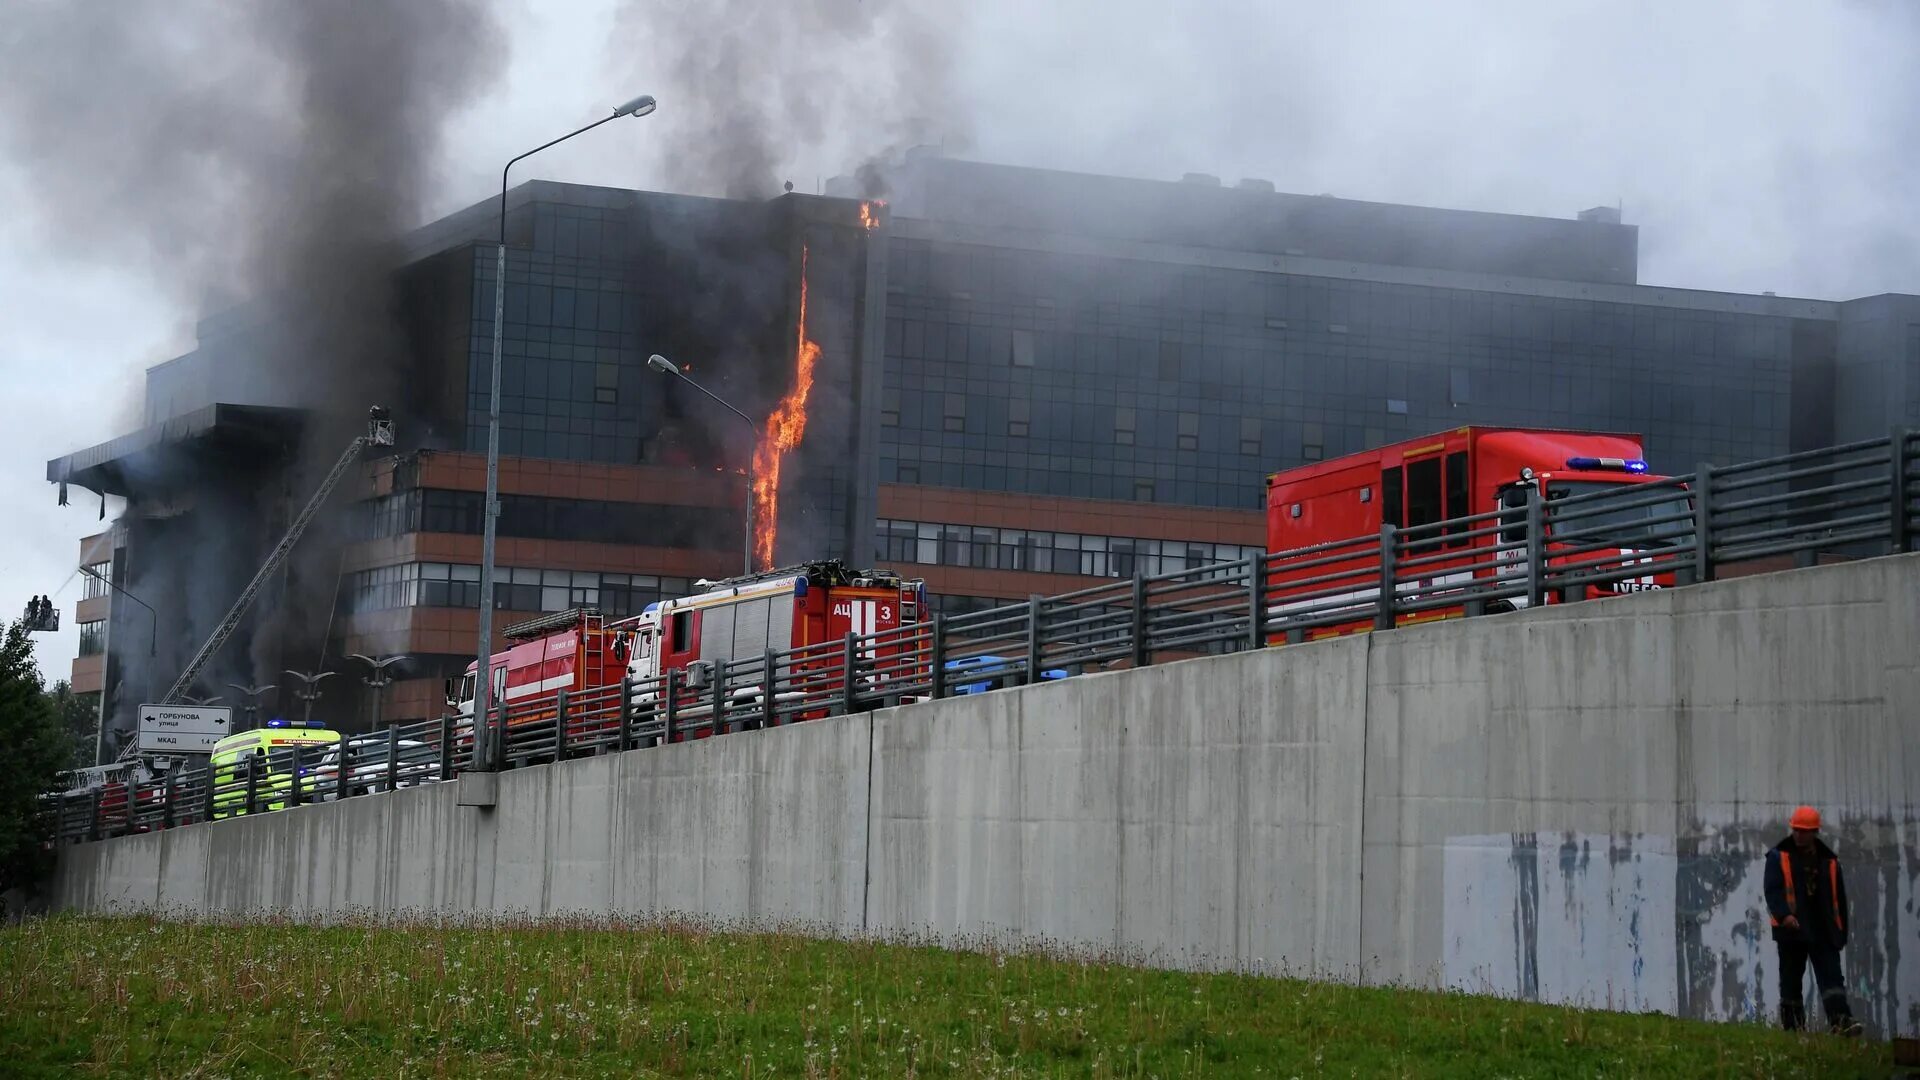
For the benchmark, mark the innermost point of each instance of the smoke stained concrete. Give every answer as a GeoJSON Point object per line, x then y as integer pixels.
{"type": "Point", "coordinates": [1569, 804]}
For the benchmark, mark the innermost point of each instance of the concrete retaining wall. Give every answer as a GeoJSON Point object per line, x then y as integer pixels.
{"type": "Point", "coordinates": [1567, 804]}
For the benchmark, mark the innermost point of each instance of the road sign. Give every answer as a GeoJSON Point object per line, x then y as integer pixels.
{"type": "Point", "coordinates": [183, 729]}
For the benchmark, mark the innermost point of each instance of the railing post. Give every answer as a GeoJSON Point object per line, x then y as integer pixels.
{"type": "Point", "coordinates": [253, 782]}
{"type": "Point", "coordinates": [393, 757]}
{"type": "Point", "coordinates": [297, 783]}
{"type": "Point", "coordinates": [343, 769]}
{"type": "Point", "coordinates": [560, 725]}
{"type": "Point", "coordinates": [1536, 548]}
{"type": "Point", "coordinates": [715, 724]}
{"type": "Point", "coordinates": [499, 743]}
{"type": "Point", "coordinates": [208, 799]}
{"type": "Point", "coordinates": [446, 746]}
{"type": "Point", "coordinates": [937, 656]}
{"type": "Point", "coordinates": [849, 675]}
{"type": "Point", "coordinates": [671, 691]}
{"type": "Point", "coordinates": [1034, 614]}
{"type": "Point", "coordinates": [1899, 529]}
{"type": "Point", "coordinates": [1256, 601]}
{"type": "Point", "coordinates": [769, 668]}
{"type": "Point", "coordinates": [1383, 609]}
{"type": "Point", "coordinates": [1703, 522]}
{"type": "Point", "coordinates": [1142, 656]}
{"type": "Point", "coordinates": [166, 809]}
{"type": "Point", "coordinates": [625, 741]}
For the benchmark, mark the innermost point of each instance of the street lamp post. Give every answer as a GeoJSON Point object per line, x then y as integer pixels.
{"type": "Point", "coordinates": [639, 106]}
{"type": "Point", "coordinates": [253, 695]}
{"type": "Point", "coordinates": [308, 691]}
{"type": "Point", "coordinates": [377, 678]}
{"type": "Point", "coordinates": [667, 367]}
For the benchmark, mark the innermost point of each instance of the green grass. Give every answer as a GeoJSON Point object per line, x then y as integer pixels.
{"type": "Point", "coordinates": [134, 997]}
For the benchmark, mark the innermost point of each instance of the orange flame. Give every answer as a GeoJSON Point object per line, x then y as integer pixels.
{"type": "Point", "coordinates": [868, 219]}
{"type": "Point", "coordinates": [784, 428]}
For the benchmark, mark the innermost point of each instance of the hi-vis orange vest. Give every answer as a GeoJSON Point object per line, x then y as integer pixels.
{"type": "Point", "coordinates": [1833, 889]}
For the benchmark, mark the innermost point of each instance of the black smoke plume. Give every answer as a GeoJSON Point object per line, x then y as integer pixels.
{"type": "Point", "coordinates": [262, 159]}
{"type": "Point", "coordinates": [749, 88]}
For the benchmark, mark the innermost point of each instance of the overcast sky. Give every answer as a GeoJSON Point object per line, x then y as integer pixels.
{"type": "Point", "coordinates": [1757, 146]}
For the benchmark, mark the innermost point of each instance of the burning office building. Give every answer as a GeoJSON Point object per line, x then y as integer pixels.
{"type": "Point", "coordinates": [620, 485]}
{"type": "Point", "coordinates": [1005, 381]}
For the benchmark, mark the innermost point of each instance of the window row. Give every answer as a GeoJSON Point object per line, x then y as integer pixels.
{"type": "Point", "coordinates": [539, 517]}
{"type": "Point", "coordinates": [93, 637]}
{"type": "Point", "coordinates": [514, 589]}
{"type": "Point", "coordinates": [96, 576]}
{"type": "Point", "coordinates": [992, 548]}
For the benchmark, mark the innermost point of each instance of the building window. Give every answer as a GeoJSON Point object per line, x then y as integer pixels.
{"type": "Point", "coordinates": [909, 474]}
{"type": "Point", "coordinates": [1143, 491]}
{"type": "Point", "coordinates": [606, 395]}
{"type": "Point", "coordinates": [1312, 442]}
{"type": "Point", "coordinates": [1397, 406]}
{"type": "Point", "coordinates": [1018, 417]}
{"type": "Point", "coordinates": [1123, 421]}
{"type": "Point", "coordinates": [1189, 438]}
{"type": "Point", "coordinates": [1457, 388]}
{"type": "Point", "coordinates": [1250, 436]}
{"type": "Point", "coordinates": [1023, 348]}
{"type": "Point", "coordinates": [954, 413]}
{"type": "Point", "coordinates": [1169, 361]}
{"type": "Point", "coordinates": [889, 408]}
{"type": "Point", "coordinates": [94, 586]}
{"type": "Point", "coordinates": [935, 544]}
{"type": "Point", "coordinates": [93, 637]}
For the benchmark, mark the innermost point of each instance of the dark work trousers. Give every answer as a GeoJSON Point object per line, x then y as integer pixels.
{"type": "Point", "coordinates": [1794, 956]}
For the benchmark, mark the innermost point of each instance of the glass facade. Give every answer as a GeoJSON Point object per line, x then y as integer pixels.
{"type": "Point", "coordinates": [538, 517]}
{"type": "Point", "coordinates": [935, 544]}
{"type": "Point", "coordinates": [93, 638]}
{"type": "Point", "coordinates": [434, 584]}
{"type": "Point", "coordinates": [1098, 377]}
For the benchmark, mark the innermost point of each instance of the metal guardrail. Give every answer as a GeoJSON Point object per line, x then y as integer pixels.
{"type": "Point", "coordinates": [1847, 501]}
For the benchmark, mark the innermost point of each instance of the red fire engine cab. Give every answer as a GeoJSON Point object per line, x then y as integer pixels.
{"type": "Point", "coordinates": [1455, 474]}
{"type": "Point", "coordinates": [734, 619]}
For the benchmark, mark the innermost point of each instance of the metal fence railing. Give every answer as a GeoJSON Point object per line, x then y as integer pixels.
{"type": "Point", "coordinates": [1845, 502]}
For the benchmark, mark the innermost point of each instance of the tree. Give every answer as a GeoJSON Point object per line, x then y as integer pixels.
{"type": "Point", "coordinates": [79, 718]}
{"type": "Point", "coordinates": [34, 748]}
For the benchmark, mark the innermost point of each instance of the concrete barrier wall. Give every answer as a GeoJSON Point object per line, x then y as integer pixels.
{"type": "Point", "coordinates": [766, 828]}
{"type": "Point", "coordinates": [1197, 814]}
{"type": "Point", "coordinates": [1573, 806]}
{"type": "Point", "coordinates": [1567, 804]}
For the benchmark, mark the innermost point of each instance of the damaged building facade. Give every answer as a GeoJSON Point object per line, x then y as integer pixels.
{"type": "Point", "coordinates": [1027, 381]}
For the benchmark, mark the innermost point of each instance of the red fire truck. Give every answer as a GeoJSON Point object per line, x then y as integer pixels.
{"type": "Point", "coordinates": [735, 619]}
{"type": "Point", "coordinates": [788, 609]}
{"type": "Point", "coordinates": [1455, 474]}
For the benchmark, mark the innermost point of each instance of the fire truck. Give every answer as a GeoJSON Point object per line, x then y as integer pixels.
{"type": "Point", "coordinates": [735, 619]}
{"type": "Point", "coordinates": [1455, 474]}
{"type": "Point", "coordinates": [747, 617]}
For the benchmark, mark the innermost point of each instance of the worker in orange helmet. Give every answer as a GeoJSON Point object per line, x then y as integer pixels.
{"type": "Point", "coordinates": [1807, 899]}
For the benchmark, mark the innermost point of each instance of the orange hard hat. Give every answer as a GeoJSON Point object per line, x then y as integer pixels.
{"type": "Point", "coordinates": [1805, 818]}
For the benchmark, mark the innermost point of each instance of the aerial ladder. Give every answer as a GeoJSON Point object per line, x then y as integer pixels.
{"type": "Point", "coordinates": [379, 433]}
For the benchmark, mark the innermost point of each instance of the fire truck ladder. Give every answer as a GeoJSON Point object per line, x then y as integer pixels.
{"type": "Point", "coordinates": [379, 433]}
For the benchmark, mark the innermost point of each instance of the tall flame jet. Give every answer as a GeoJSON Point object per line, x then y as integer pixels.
{"type": "Point", "coordinates": [785, 426]}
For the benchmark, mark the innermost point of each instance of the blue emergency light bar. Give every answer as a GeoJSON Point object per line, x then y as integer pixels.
{"type": "Point", "coordinates": [1614, 464]}
{"type": "Point", "coordinates": [276, 722]}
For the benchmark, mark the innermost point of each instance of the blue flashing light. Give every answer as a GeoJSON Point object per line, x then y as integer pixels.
{"type": "Point", "coordinates": [276, 722]}
{"type": "Point", "coordinates": [1609, 464]}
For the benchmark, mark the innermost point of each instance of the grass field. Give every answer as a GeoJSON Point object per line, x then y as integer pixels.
{"type": "Point", "coordinates": [143, 998]}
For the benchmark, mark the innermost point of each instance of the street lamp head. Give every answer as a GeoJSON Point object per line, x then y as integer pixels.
{"type": "Point", "coordinates": [639, 106]}
{"type": "Point", "coordinates": [662, 365]}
